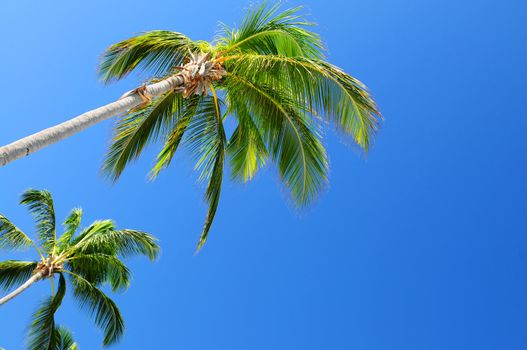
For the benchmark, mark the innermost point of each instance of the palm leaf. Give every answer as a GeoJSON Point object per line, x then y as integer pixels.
{"type": "Point", "coordinates": [11, 237]}
{"type": "Point", "coordinates": [71, 224]}
{"type": "Point", "coordinates": [99, 268]}
{"type": "Point", "coordinates": [15, 272]}
{"type": "Point", "coordinates": [136, 130]}
{"type": "Point", "coordinates": [64, 339]}
{"type": "Point", "coordinates": [156, 51]}
{"type": "Point", "coordinates": [246, 148]}
{"type": "Point", "coordinates": [120, 242]}
{"type": "Point", "coordinates": [41, 332]}
{"type": "Point", "coordinates": [104, 311]}
{"type": "Point", "coordinates": [323, 88]}
{"type": "Point", "coordinates": [40, 204]}
{"type": "Point", "coordinates": [293, 143]}
{"type": "Point", "coordinates": [265, 30]}
{"type": "Point", "coordinates": [206, 140]}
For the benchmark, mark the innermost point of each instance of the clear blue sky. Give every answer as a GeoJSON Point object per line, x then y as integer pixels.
{"type": "Point", "coordinates": [420, 245]}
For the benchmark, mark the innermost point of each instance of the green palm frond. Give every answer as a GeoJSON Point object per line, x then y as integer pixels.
{"type": "Point", "coordinates": [136, 130]}
{"type": "Point", "coordinates": [96, 227]}
{"type": "Point", "coordinates": [323, 88]}
{"type": "Point", "coordinates": [41, 332]}
{"type": "Point", "coordinates": [15, 272]}
{"type": "Point", "coordinates": [206, 140]}
{"type": "Point", "coordinates": [40, 204]}
{"type": "Point", "coordinates": [64, 339]}
{"type": "Point", "coordinates": [122, 243]}
{"type": "Point", "coordinates": [156, 51]}
{"type": "Point", "coordinates": [71, 225]}
{"type": "Point", "coordinates": [98, 268]}
{"type": "Point", "coordinates": [104, 311]}
{"type": "Point", "coordinates": [265, 30]}
{"type": "Point", "coordinates": [292, 142]}
{"type": "Point", "coordinates": [11, 237]}
{"type": "Point", "coordinates": [246, 147]}
{"type": "Point", "coordinates": [173, 139]}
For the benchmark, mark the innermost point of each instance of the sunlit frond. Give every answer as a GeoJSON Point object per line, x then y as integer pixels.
{"type": "Point", "coordinates": [293, 142]}
{"type": "Point", "coordinates": [64, 339]}
{"type": "Point", "coordinates": [156, 51]}
{"type": "Point", "coordinates": [42, 330]}
{"type": "Point", "coordinates": [246, 148]}
{"type": "Point", "coordinates": [265, 30]}
{"type": "Point", "coordinates": [123, 243]}
{"type": "Point", "coordinates": [15, 272]}
{"type": "Point", "coordinates": [71, 225]}
{"type": "Point", "coordinates": [11, 237]}
{"type": "Point", "coordinates": [324, 89]}
{"type": "Point", "coordinates": [40, 204]}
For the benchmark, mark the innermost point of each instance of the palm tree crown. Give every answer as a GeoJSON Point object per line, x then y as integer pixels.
{"type": "Point", "coordinates": [90, 258]}
{"type": "Point", "coordinates": [269, 76]}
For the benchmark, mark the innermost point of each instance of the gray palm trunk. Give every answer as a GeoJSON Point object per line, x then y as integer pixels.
{"type": "Point", "coordinates": [35, 278]}
{"type": "Point", "coordinates": [49, 136]}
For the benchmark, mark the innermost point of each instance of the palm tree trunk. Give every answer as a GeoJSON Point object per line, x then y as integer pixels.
{"type": "Point", "coordinates": [46, 137]}
{"type": "Point", "coordinates": [35, 278]}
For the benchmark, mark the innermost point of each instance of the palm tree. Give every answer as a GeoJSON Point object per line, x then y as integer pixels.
{"type": "Point", "coordinates": [90, 259]}
{"type": "Point", "coordinates": [270, 76]}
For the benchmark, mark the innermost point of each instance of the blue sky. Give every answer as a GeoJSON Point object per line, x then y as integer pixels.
{"type": "Point", "coordinates": [420, 245]}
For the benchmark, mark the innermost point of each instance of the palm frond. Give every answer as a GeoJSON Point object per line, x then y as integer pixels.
{"type": "Point", "coordinates": [64, 339]}
{"type": "Point", "coordinates": [123, 243]}
{"type": "Point", "coordinates": [40, 204]}
{"type": "Point", "coordinates": [104, 311]}
{"type": "Point", "coordinates": [96, 227]}
{"type": "Point", "coordinates": [11, 237]}
{"type": "Point", "coordinates": [15, 272]}
{"type": "Point", "coordinates": [156, 51]}
{"type": "Point", "coordinates": [99, 268]}
{"type": "Point", "coordinates": [183, 118]}
{"type": "Point", "coordinates": [206, 141]}
{"type": "Point", "coordinates": [293, 142]}
{"type": "Point", "coordinates": [71, 225]}
{"type": "Point", "coordinates": [324, 89]}
{"type": "Point", "coordinates": [135, 131]}
{"type": "Point", "coordinates": [41, 331]}
{"type": "Point", "coordinates": [265, 30]}
{"type": "Point", "coordinates": [246, 147]}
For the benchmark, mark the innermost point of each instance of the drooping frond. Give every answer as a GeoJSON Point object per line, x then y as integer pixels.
{"type": "Point", "coordinates": [103, 310]}
{"type": "Point", "coordinates": [324, 89]}
{"type": "Point", "coordinates": [100, 268]}
{"type": "Point", "coordinates": [123, 243]}
{"type": "Point", "coordinates": [246, 147]}
{"type": "Point", "coordinates": [11, 237]}
{"type": "Point", "coordinates": [293, 142]}
{"type": "Point", "coordinates": [15, 272]}
{"type": "Point", "coordinates": [136, 130]}
{"type": "Point", "coordinates": [64, 339]}
{"type": "Point", "coordinates": [206, 140]}
{"type": "Point", "coordinates": [71, 225]}
{"type": "Point", "coordinates": [265, 30]}
{"type": "Point", "coordinates": [156, 51]}
{"type": "Point", "coordinates": [173, 140]}
{"type": "Point", "coordinates": [40, 204]}
{"type": "Point", "coordinates": [42, 330]}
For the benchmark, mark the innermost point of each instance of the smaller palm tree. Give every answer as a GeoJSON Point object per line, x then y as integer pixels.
{"type": "Point", "coordinates": [90, 259]}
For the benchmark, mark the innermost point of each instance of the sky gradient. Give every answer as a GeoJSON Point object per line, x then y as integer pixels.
{"type": "Point", "coordinates": [421, 244]}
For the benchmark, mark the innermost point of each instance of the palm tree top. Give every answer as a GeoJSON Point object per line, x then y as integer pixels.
{"type": "Point", "coordinates": [89, 257]}
{"type": "Point", "coordinates": [269, 75]}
